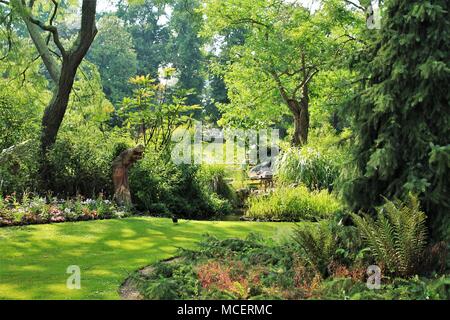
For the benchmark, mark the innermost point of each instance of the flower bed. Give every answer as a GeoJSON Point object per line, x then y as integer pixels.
{"type": "Point", "coordinates": [40, 210]}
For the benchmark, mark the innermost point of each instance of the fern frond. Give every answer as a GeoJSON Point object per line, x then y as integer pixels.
{"type": "Point", "coordinates": [398, 237]}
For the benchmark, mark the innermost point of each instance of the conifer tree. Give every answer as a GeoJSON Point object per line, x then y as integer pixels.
{"type": "Point", "coordinates": [402, 116]}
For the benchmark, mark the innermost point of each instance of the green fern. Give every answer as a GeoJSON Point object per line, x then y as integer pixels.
{"type": "Point", "coordinates": [397, 237]}
{"type": "Point", "coordinates": [318, 246]}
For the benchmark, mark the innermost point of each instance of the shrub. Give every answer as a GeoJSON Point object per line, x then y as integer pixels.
{"type": "Point", "coordinates": [170, 280]}
{"type": "Point", "coordinates": [19, 168]}
{"type": "Point", "coordinates": [257, 268]}
{"type": "Point", "coordinates": [164, 289]}
{"type": "Point", "coordinates": [213, 179]}
{"type": "Point", "coordinates": [397, 238]}
{"type": "Point", "coordinates": [81, 162]}
{"type": "Point", "coordinates": [161, 187]}
{"type": "Point", "coordinates": [215, 275]}
{"type": "Point", "coordinates": [333, 248]}
{"type": "Point", "coordinates": [351, 251]}
{"type": "Point", "coordinates": [253, 268]}
{"type": "Point", "coordinates": [396, 289]}
{"type": "Point", "coordinates": [293, 204]}
{"type": "Point", "coordinates": [18, 117]}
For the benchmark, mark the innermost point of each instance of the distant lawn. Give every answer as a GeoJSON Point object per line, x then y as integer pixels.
{"type": "Point", "coordinates": [34, 259]}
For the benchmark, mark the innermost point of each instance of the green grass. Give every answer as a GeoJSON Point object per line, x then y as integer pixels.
{"type": "Point", "coordinates": [34, 259]}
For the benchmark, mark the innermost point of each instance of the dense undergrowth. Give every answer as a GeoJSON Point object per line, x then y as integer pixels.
{"type": "Point", "coordinates": [256, 268]}
{"type": "Point", "coordinates": [387, 258]}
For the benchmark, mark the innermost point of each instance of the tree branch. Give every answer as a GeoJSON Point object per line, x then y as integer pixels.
{"type": "Point", "coordinates": [355, 5]}
{"type": "Point", "coordinates": [53, 30]}
{"type": "Point", "coordinates": [88, 30]}
{"type": "Point", "coordinates": [35, 34]}
{"type": "Point", "coordinates": [8, 34]}
{"type": "Point", "coordinates": [52, 18]}
{"type": "Point", "coordinates": [306, 80]}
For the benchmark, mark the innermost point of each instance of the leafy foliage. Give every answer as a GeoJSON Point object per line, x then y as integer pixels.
{"type": "Point", "coordinates": [114, 55]}
{"type": "Point", "coordinates": [257, 268]}
{"type": "Point", "coordinates": [318, 246]}
{"type": "Point", "coordinates": [398, 237]}
{"type": "Point", "coordinates": [228, 269]}
{"type": "Point", "coordinates": [213, 178]}
{"type": "Point", "coordinates": [399, 289]}
{"type": "Point", "coordinates": [401, 114]}
{"type": "Point", "coordinates": [161, 187]}
{"type": "Point", "coordinates": [156, 110]}
{"type": "Point", "coordinates": [162, 290]}
{"type": "Point", "coordinates": [23, 94]}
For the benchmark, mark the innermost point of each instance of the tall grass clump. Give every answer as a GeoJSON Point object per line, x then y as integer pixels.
{"type": "Point", "coordinates": [309, 166]}
{"type": "Point", "coordinates": [293, 204]}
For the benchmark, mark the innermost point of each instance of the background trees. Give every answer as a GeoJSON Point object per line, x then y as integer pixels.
{"type": "Point", "coordinates": [185, 45]}
{"type": "Point", "coordinates": [114, 55]}
{"type": "Point", "coordinates": [286, 45]}
{"type": "Point", "coordinates": [146, 22]}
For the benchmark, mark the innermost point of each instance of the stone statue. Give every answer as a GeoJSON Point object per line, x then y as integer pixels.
{"type": "Point", "coordinates": [120, 168]}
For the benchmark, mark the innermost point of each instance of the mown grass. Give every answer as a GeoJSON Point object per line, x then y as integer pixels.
{"type": "Point", "coordinates": [34, 259]}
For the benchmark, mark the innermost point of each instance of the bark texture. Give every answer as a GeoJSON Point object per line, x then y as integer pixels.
{"type": "Point", "coordinates": [298, 99]}
{"type": "Point", "coordinates": [300, 112]}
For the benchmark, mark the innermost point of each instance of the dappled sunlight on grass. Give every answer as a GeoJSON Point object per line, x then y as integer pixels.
{"type": "Point", "coordinates": [13, 291]}
{"type": "Point", "coordinates": [32, 268]}
{"type": "Point", "coordinates": [34, 259]}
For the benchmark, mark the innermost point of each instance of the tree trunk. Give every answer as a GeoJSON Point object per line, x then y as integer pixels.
{"type": "Point", "coordinates": [296, 138]}
{"type": "Point", "coordinates": [62, 75]}
{"type": "Point", "coordinates": [300, 110]}
{"type": "Point", "coordinates": [301, 128]}
{"type": "Point", "coordinates": [120, 167]}
{"type": "Point", "coordinates": [304, 116]}
{"type": "Point", "coordinates": [53, 117]}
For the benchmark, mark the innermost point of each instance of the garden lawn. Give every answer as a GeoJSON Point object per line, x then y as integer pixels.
{"type": "Point", "coordinates": [34, 259]}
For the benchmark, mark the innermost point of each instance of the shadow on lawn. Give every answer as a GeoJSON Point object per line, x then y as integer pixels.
{"type": "Point", "coordinates": [34, 259]}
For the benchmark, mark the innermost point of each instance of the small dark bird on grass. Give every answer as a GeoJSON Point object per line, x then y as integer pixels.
{"type": "Point", "coordinates": [174, 219]}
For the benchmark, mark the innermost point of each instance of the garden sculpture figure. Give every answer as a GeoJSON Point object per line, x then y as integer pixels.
{"type": "Point", "coordinates": [120, 165]}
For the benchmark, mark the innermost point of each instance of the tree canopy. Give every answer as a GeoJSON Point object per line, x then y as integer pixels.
{"type": "Point", "coordinates": [286, 46]}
